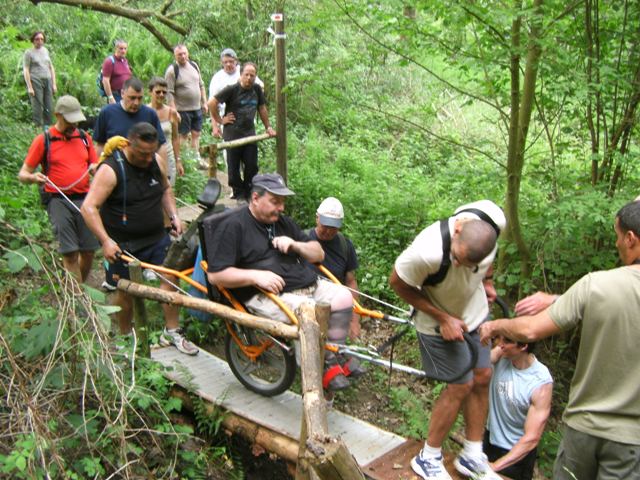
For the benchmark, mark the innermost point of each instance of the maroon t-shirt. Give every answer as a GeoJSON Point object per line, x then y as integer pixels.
{"type": "Point", "coordinates": [117, 70]}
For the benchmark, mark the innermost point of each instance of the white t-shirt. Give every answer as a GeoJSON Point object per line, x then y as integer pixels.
{"type": "Point", "coordinates": [461, 293]}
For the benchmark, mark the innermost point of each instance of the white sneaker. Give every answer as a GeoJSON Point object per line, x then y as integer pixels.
{"type": "Point", "coordinates": [477, 468]}
{"type": "Point", "coordinates": [149, 275]}
{"type": "Point", "coordinates": [429, 468]}
{"type": "Point", "coordinates": [175, 338]}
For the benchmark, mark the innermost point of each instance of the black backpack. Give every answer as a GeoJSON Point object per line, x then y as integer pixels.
{"type": "Point", "coordinates": [176, 68]}
{"type": "Point", "coordinates": [100, 77]}
{"type": "Point", "coordinates": [45, 197]}
{"type": "Point", "coordinates": [438, 277]}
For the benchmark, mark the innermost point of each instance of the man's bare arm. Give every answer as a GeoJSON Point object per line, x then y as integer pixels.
{"type": "Point", "coordinates": [451, 328]}
{"type": "Point", "coordinates": [533, 427]}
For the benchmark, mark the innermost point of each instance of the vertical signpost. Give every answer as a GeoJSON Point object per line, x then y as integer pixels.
{"type": "Point", "coordinates": [281, 101]}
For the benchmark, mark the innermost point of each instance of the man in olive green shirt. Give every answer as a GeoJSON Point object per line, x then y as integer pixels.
{"type": "Point", "coordinates": [602, 435]}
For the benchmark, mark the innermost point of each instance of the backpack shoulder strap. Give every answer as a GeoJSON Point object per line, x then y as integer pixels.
{"type": "Point", "coordinates": [117, 154]}
{"type": "Point", "coordinates": [83, 136]}
{"type": "Point", "coordinates": [483, 216]}
{"type": "Point", "coordinates": [176, 71]}
{"type": "Point", "coordinates": [194, 65]}
{"type": "Point", "coordinates": [45, 155]}
{"type": "Point", "coordinates": [344, 248]}
{"type": "Point", "coordinates": [438, 277]}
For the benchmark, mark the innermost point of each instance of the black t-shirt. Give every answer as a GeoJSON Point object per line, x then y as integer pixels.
{"type": "Point", "coordinates": [244, 104]}
{"type": "Point", "coordinates": [142, 202]}
{"type": "Point", "coordinates": [339, 255]}
{"type": "Point", "coordinates": [242, 241]}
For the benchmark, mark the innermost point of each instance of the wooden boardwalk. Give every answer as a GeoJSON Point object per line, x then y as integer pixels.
{"type": "Point", "coordinates": [211, 378]}
{"type": "Point", "coordinates": [382, 455]}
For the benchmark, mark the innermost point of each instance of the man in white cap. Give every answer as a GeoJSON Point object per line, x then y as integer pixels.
{"type": "Point", "coordinates": [66, 156]}
{"type": "Point", "coordinates": [340, 256]}
{"type": "Point", "coordinates": [261, 247]}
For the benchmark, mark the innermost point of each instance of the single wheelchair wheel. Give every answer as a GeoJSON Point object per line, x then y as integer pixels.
{"type": "Point", "coordinates": [260, 363]}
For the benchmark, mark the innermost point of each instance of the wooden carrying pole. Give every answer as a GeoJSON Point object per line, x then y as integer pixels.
{"type": "Point", "coordinates": [277, 329]}
{"type": "Point", "coordinates": [281, 98]}
{"type": "Point", "coordinates": [329, 458]}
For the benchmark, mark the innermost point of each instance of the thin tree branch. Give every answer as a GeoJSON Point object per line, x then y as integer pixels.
{"type": "Point", "coordinates": [411, 60]}
{"type": "Point", "coordinates": [144, 17]}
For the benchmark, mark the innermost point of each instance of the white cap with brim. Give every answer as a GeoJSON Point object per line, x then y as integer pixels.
{"type": "Point", "coordinates": [69, 107]}
{"type": "Point", "coordinates": [272, 183]}
{"type": "Point", "coordinates": [330, 212]}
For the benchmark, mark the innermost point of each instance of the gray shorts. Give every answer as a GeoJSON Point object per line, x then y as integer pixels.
{"type": "Point", "coordinates": [72, 233]}
{"type": "Point", "coordinates": [321, 291]}
{"type": "Point", "coordinates": [442, 360]}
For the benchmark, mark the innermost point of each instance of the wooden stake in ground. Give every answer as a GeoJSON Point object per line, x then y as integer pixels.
{"type": "Point", "coordinates": [139, 311]}
{"type": "Point", "coordinates": [327, 457]}
{"type": "Point", "coordinates": [281, 98]}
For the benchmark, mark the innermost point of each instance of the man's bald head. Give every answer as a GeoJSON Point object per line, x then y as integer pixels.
{"type": "Point", "coordinates": [478, 239]}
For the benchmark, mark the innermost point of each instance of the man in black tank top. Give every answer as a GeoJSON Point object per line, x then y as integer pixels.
{"type": "Point", "coordinates": [124, 209]}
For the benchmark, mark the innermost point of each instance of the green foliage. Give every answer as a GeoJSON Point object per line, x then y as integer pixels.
{"type": "Point", "coordinates": [400, 116]}
{"type": "Point", "coordinates": [547, 449]}
{"type": "Point", "coordinates": [103, 410]}
{"type": "Point", "coordinates": [416, 415]}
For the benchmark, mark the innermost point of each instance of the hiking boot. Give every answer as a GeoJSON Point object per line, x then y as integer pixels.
{"type": "Point", "coordinates": [334, 378]}
{"type": "Point", "coordinates": [353, 368]}
{"type": "Point", "coordinates": [175, 338]}
{"type": "Point", "coordinates": [475, 467]}
{"type": "Point", "coordinates": [429, 468]}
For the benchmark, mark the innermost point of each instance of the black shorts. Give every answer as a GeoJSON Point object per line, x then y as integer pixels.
{"type": "Point", "coordinates": [154, 254]}
{"type": "Point", "coordinates": [522, 470]}
{"type": "Point", "coordinates": [190, 121]}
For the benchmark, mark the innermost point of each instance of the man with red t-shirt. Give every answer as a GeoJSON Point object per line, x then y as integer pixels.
{"type": "Point", "coordinates": [69, 158]}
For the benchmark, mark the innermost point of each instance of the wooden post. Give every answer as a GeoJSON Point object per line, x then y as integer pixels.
{"type": "Point", "coordinates": [319, 453]}
{"type": "Point", "coordinates": [281, 99]}
{"type": "Point", "coordinates": [139, 311]}
{"type": "Point", "coordinates": [314, 413]}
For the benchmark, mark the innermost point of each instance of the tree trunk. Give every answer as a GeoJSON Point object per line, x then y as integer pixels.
{"type": "Point", "coordinates": [521, 108]}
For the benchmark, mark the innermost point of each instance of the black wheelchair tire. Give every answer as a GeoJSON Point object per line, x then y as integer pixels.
{"type": "Point", "coordinates": [271, 374]}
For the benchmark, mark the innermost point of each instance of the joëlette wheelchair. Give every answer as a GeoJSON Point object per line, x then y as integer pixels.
{"type": "Point", "coordinates": [261, 362]}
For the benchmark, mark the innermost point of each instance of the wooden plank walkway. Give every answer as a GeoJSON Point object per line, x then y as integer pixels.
{"type": "Point", "coordinates": [211, 379]}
